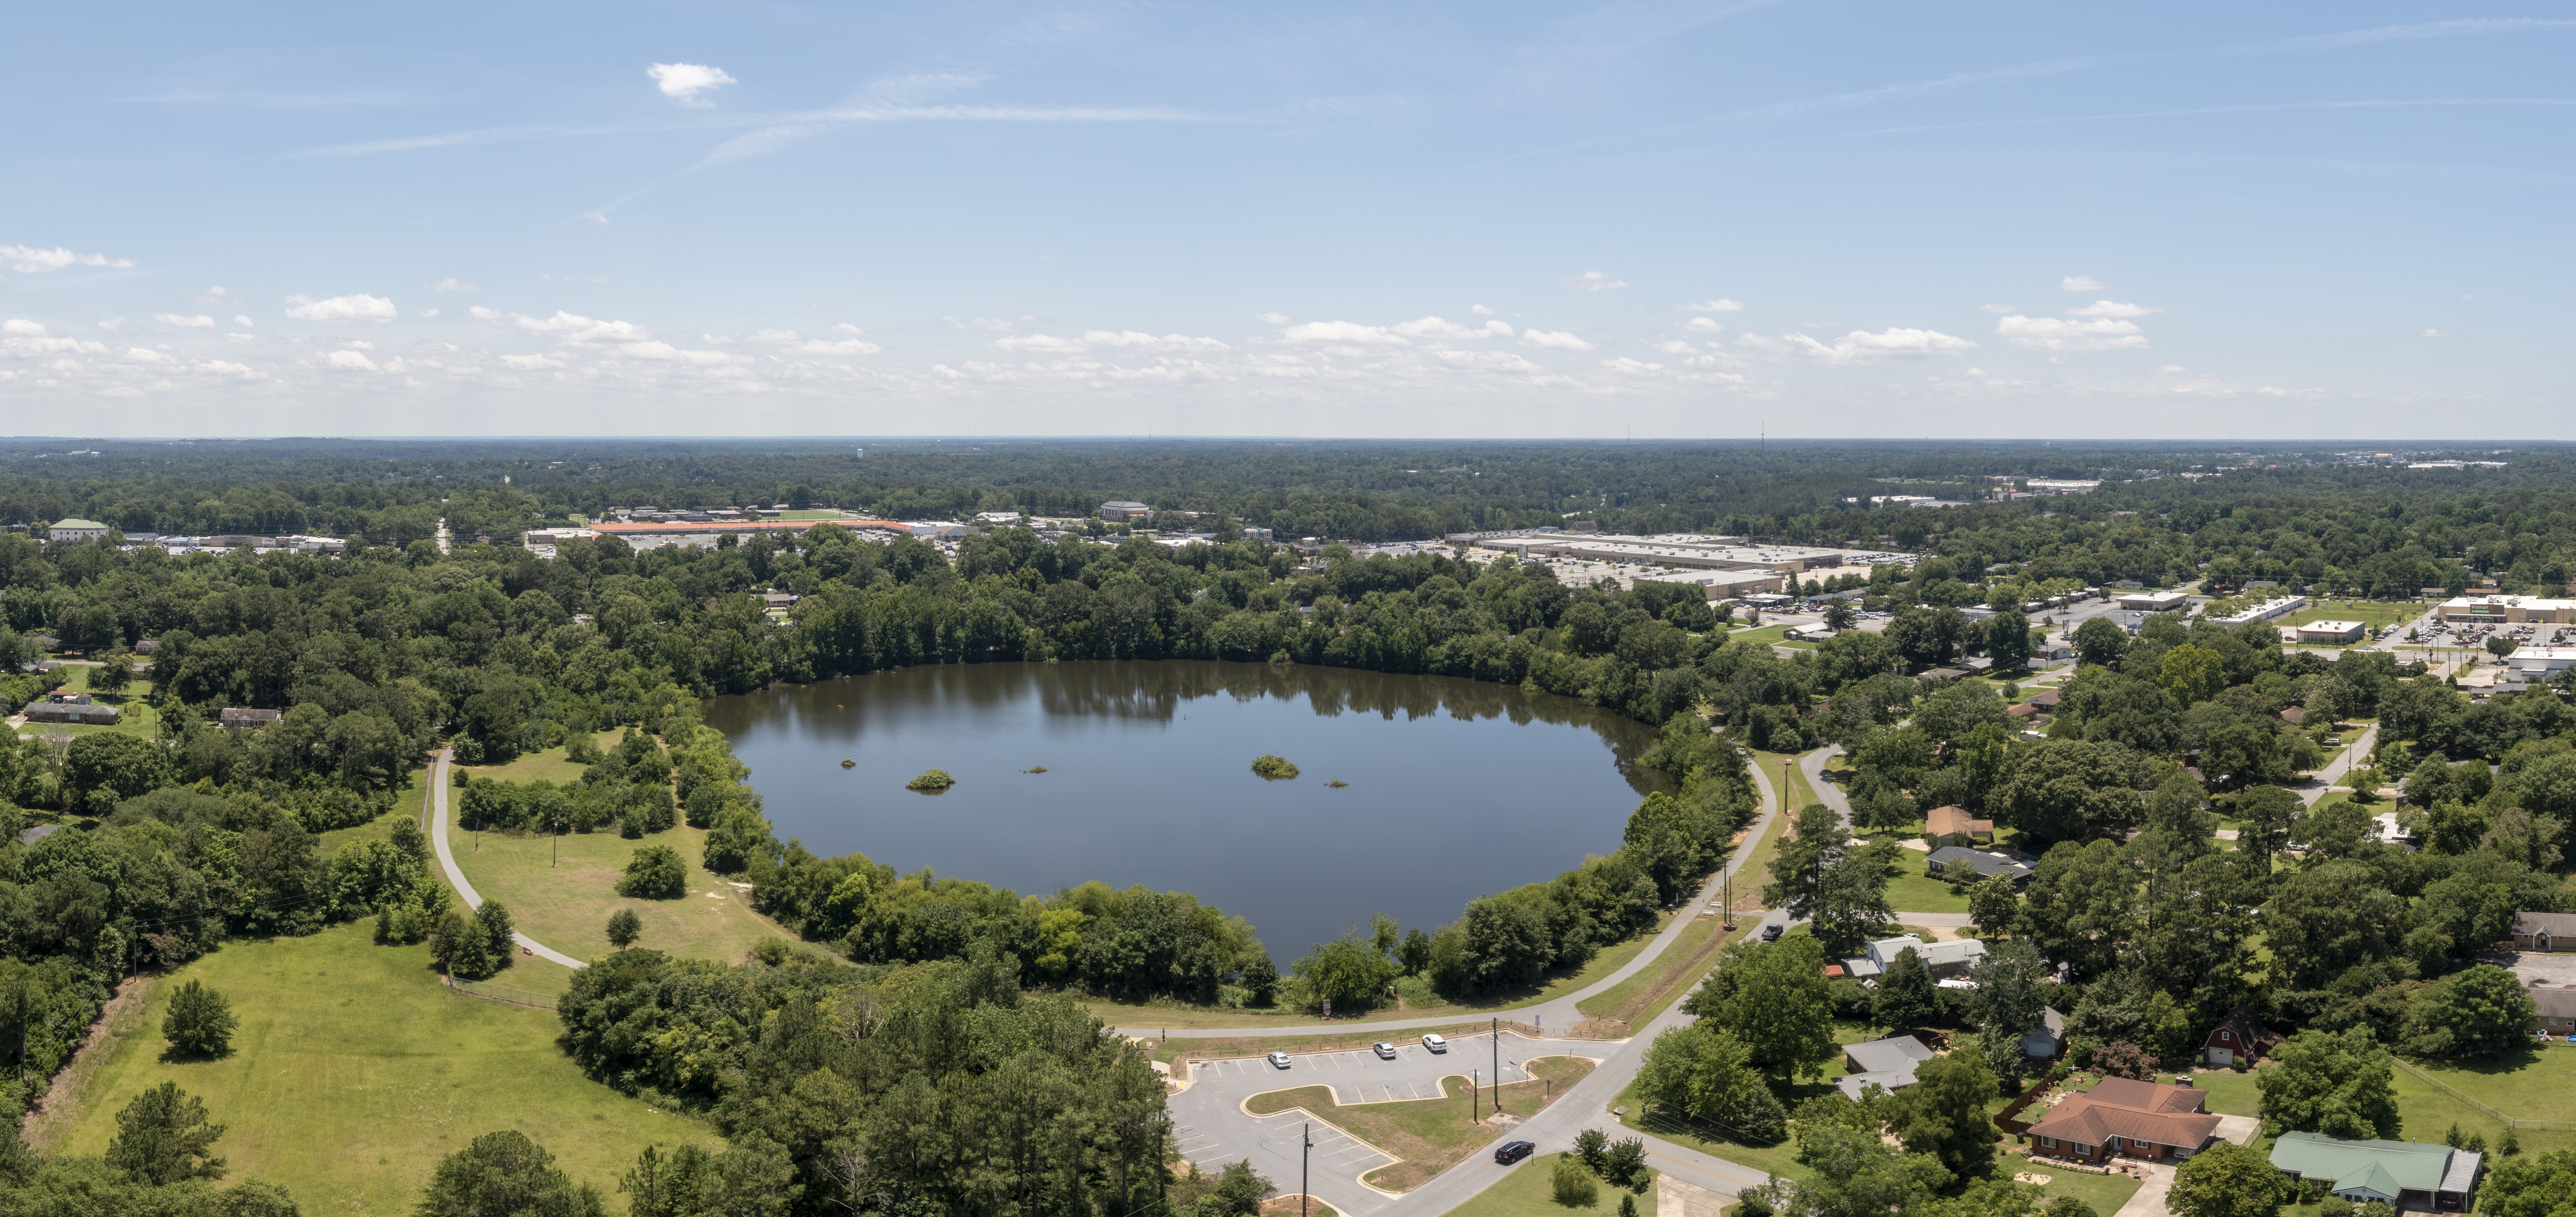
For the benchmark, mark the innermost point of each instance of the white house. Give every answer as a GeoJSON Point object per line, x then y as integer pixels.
{"type": "Point", "coordinates": [77, 530]}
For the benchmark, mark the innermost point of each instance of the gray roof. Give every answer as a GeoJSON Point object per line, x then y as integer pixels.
{"type": "Point", "coordinates": [1895, 1054]}
{"type": "Point", "coordinates": [2552, 924]}
{"type": "Point", "coordinates": [2462, 1178]}
{"type": "Point", "coordinates": [2054, 1021]}
{"type": "Point", "coordinates": [1853, 1084]}
{"type": "Point", "coordinates": [1984, 862]}
{"type": "Point", "coordinates": [2555, 1001]}
{"type": "Point", "coordinates": [38, 833]}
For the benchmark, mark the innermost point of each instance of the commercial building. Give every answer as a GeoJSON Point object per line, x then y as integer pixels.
{"type": "Point", "coordinates": [2401, 1174]}
{"type": "Point", "coordinates": [2265, 611]}
{"type": "Point", "coordinates": [1887, 1064]}
{"type": "Point", "coordinates": [2129, 1118]}
{"type": "Point", "coordinates": [77, 530]}
{"type": "Point", "coordinates": [2062, 485]}
{"type": "Point", "coordinates": [2499, 610]}
{"type": "Point", "coordinates": [1119, 511]}
{"type": "Point", "coordinates": [2539, 663]}
{"type": "Point", "coordinates": [2155, 602]}
{"type": "Point", "coordinates": [2544, 931]}
{"type": "Point", "coordinates": [2331, 631]}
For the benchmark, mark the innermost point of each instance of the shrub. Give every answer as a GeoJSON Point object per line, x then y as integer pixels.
{"type": "Point", "coordinates": [624, 927]}
{"type": "Point", "coordinates": [200, 1022]}
{"type": "Point", "coordinates": [1272, 768]}
{"type": "Point", "coordinates": [931, 782]}
{"type": "Point", "coordinates": [1574, 1185]}
{"type": "Point", "coordinates": [655, 873]}
{"type": "Point", "coordinates": [1588, 1145]}
{"type": "Point", "coordinates": [1624, 1162]}
{"type": "Point", "coordinates": [2122, 1059]}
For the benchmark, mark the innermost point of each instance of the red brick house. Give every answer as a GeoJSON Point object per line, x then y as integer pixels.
{"type": "Point", "coordinates": [2131, 1119]}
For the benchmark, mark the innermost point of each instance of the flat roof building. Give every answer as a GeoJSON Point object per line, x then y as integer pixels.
{"type": "Point", "coordinates": [2498, 610]}
{"type": "Point", "coordinates": [2155, 602]}
{"type": "Point", "coordinates": [2331, 631]}
{"type": "Point", "coordinates": [76, 530]}
{"type": "Point", "coordinates": [2265, 611]}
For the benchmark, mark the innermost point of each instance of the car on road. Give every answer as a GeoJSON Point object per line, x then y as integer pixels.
{"type": "Point", "coordinates": [1384, 1050]}
{"type": "Point", "coordinates": [1771, 932]}
{"type": "Point", "coordinates": [1435, 1043]}
{"type": "Point", "coordinates": [1513, 1151]}
{"type": "Point", "coordinates": [1279, 1059]}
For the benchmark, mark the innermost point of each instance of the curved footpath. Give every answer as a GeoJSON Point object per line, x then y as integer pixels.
{"type": "Point", "coordinates": [1560, 1011]}
{"type": "Point", "coordinates": [438, 782]}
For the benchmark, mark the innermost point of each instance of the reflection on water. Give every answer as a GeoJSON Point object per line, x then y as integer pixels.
{"type": "Point", "coordinates": [1457, 788]}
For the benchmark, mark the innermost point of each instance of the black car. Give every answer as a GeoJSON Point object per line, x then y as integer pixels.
{"type": "Point", "coordinates": [1771, 932]}
{"type": "Point", "coordinates": [1514, 1151]}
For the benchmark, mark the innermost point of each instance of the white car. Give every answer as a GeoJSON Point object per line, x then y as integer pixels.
{"type": "Point", "coordinates": [1435, 1043]}
{"type": "Point", "coordinates": [1279, 1059]}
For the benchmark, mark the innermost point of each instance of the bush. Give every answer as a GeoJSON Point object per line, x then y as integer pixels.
{"type": "Point", "coordinates": [1273, 768]}
{"type": "Point", "coordinates": [1624, 1162]}
{"type": "Point", "coordinates": [200, 1022]}
{"type": "Point", "coordinates": [1261, 980]}
{"type": "Point", "coordinates": [2122, 1059]}
{"type": "Point", "coordinates": [1574, 1186]}
{"type": "Point", "coordinates": [932, 781]}
{"type": "Point", "coordinates": [504, 1172]}
{"type": "Point", "coordinates": [655, 873]}
{"type": "Point", "coordinates": [624, 927]}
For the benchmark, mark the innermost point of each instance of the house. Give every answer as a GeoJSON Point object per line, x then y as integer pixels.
{"type": "Point", "coordinates": [2045, 699]}
{"type": "Point", "coordinates": [2402, 1174]}
{"type": "Point", "coordinates": [1945, 674]}
{"type": "Point", "coordinates": [2557, 1010]}
{"type": "Point", "coordinates": [2293, 714]}
{"type": "Point", "coordinates": [239, 718]}
{"type": "Point", "coordinates": [1119, 511]}
{"type": "Point", "coordinates": [2544, 931]}
{"type": "Point", "coordinates": [776, 599]}
{"type": "Point", "coordinates": [1986, 863]}
{"type": "Point", "coordinates": [2132, 1119]}
{"type": "Point", "coordinates": [2239, 1038]}
{"type": "Point", "coordinates": [1251, 533]}
{"type": "Point", "coordinates": [1954, 826]}
{"type": "Point", "coordinates": [1887, 1064]}
{"type": "Point", "coordinates": [66, 707]}
{"type": "Point", "coordinates": [1944, 958]}
{"type": "Point", "coordinates": [77, 530]}
{"type": "Point", "coordinates": [1807, 633]}
{"type": "Point", "coordinates": [2045, 1041]}
{"type": "Point", "coordinates": [2023, 711]}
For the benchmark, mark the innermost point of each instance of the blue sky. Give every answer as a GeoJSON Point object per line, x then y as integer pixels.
{"type": "Point", "coordinates": [1869, 219]}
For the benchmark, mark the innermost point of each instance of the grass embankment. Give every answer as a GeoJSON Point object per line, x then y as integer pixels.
{"type": "Point", "coordinates": [1643, 997]}
{"type": "Point", "coordinates": [566, 905]}
{"type": "Point", "coordinates": [1527, 1191]}
{"type": "Point", "coordinates": [1353, 1041]}
{"type": "Point", "coordinates": [1428, 1135]}
{"type": "Point", "coordinates": [354, 1072]}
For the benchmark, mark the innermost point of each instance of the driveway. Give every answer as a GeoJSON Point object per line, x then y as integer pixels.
{"type": "Point", "coordinates": [2149, 1199]}
{"type": "Point", "coordinates": [439, 783]}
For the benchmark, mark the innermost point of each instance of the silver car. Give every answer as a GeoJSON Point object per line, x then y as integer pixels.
{"type": "Point", "coordinates": [1279, 1059]}
{"type": "Point", "coordinates": [1435, 1043]}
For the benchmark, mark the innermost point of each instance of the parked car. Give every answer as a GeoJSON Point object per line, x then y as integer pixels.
{"type": "Point", "coordinates": [1384, 1050]}
{"type": "Point", "coordinates": [1771, 932]}
{"type": "Point", "coordinates": [1513, 1151]}
{"type": "Point", "coordinates": [1279, 1059]}
{"type": "Point", "coordinates": [1435, 1043]}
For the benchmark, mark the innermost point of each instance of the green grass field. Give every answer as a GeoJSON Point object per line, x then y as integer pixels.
{"type": "Point", "coordinates": [1912, 889]}
{"type": "Point", "coordinates": [354, 1072]}
{"type": "Point", "coordinates": [1526, 1191]}
{"type": "Point", "coordinates": [1430, 1135]}
{"type": "Point", "coordinates": [549, 765]}
{"type": "Point", "coordinates": [566, 905]}
{"type": "Point", "coordinates": [1645, 995]}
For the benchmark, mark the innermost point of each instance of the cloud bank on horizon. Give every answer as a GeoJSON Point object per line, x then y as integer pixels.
{"type": "Point", "coordinates": [1186, 220]}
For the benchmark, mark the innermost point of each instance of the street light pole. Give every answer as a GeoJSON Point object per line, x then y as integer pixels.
{"type": "Point", "coordinates": [1498, 1065]}
{"type": "Point", "coordinates": [1475, 1096]}
{"type": "Point", "coordinates": [1304, 1153]}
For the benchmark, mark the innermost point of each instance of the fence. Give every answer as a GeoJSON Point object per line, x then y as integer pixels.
{"type": "Point", "coordinates": [500, 993]}
{"type": "Point", "coordinates": [2490, 1112]}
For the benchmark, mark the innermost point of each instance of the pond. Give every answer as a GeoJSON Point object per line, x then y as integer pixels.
{"type": "Point", "coordinates": [1456, 788]}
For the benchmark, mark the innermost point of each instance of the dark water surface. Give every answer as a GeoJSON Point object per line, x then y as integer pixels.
{"type": "Point", "coordinates": [1457, 788]}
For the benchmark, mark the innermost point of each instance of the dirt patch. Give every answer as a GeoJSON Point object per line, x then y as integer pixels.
{"type": "Point", "coordinates": [1287, 1206]}
{"type": "Point", "coordinates": [1600, 1029]}
{"type": "Point", "coordinates": [121, 1016]}
{"type": "Point", "coordinates": [1184, 1051]}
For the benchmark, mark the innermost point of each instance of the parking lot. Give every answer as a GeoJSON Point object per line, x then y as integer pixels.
{"type": "Point", "coordinates": [1211, 1128]}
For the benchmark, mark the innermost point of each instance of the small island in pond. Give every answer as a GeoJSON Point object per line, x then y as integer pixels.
{"type": "Point", "coordinates": [931, 782]}
{"type": "Point", "coordinates": [1273, 768]}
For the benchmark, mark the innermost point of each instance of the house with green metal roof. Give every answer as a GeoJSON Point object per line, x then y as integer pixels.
{"type": "Point", "coordinates": [2402, 1174]}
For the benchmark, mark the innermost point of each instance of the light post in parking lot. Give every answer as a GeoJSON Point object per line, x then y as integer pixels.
{"type": "Point", "coordinates": [1475, 1096]}
{"type": "Point", "coordinates": [1304, 1154]}
{"type": "Point", "coordinates": [1498, 1065]}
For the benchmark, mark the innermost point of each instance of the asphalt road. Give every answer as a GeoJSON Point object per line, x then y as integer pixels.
{"type": "Point", "coordinates": [438, 783]}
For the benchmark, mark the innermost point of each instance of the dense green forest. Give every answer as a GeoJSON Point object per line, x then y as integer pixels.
{"type": "Point", "coordinates": [180, 836]}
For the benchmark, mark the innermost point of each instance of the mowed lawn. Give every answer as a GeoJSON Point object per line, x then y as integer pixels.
{"type": "Point", "coordinates": [1528, 1190]}
{"type": "Point", "coordinates": [1912, 889]}
{"type": "Point", "coordinates": [354, 1072]}
{"type": "Point", "coordinates": [566, 905]}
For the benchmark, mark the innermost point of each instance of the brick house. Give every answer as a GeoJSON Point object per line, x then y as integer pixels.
{"type": "Point", "coordinates": [2544, 931]}
{"type": "Point", "coordinates": [2131, 1119]}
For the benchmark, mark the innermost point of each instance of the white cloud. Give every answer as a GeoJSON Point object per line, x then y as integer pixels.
{"type": "Point", "coordinates": [341, 308]}
{"type": "Point", "coordinates": [771, 336]}
{"type": "Point", "coordinates": [1147, 342]}
{"type": "Point", "coordinates": [1041, 344]}
{"type": "Point", "coordinates": [847, 328]}
{"type": "Point", "coordinates": [113, 325]}
{"type": "Point", "coordinates": [145, 355]}
{"type": "Point", "coordinates": [1704, 325]}
{"type": "Point", "coordinates": [1675, 348]}
{"type": "Point", "coordinates": [665, 351]}
{"type": "Point", "coordinates": [2058, 334]}
{"type": "Point", "coordinates": [2111, 308]}
{"type": "Point", "coordinates": [244, 322]}
{"type": "Point", "coordinates": [352, 361]}
{"type": "Point", "coordinates": [2082, 283]}
{"type": "Point", "coordinates": [846, 346]}
{"type": "Point", "coordinates": [1271, 318]}
{"type": "Point", "coordinates": [1998, 308]}
{"type": "Point", "coordinates": [530, 363]}
{"type": "Point", "coordinates": [480, 313]}
{"type": "Point", "coordinates": [577, 329]}
{"type": "Point", "coordinates": [227, 369]}
{"type": "Point", "coordinates": [455, 285]}
{"type": "Point", "coordinates": [359, 345]}
{"type": "Point", "coordinates": [1343, 331]}
{"type": "Point", "coordinates": [1557, 340]}
{"type": "Point", "coordinates": [1477, 309]}
{"type": "Point", "coordinates": [1861, 346]}
{"type": "Point", "coordinates": [1434, 327]}
{"type": "Point", "coordinates": [1719, 305]}
{"type": "Point", "coordinates": [27, 259]}
{"type": "Point", "coordinates": [1595, 281]}
{"type": "Point", "coordinates": [20, 326]}
{"type": "Point", "coordinates": [2435, 334]}
{"type": "Point", "coordinates": [424, 312]}
{"type": "Point", "coordinates": [682, 82]}
{"type": "Point", "coordinates": [1630, 367]}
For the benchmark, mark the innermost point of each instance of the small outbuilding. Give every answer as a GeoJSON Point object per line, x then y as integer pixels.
{"type": "Point", "coordinates": [2239, 1039]}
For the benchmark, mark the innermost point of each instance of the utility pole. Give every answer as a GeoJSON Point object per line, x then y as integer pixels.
{"type": "Point", "coordinates": [1475, 1096]}
{"type": "Point", "coordinates": [1303, 1154]}
{"type": "Point", "coordinates": [1498, 1065]}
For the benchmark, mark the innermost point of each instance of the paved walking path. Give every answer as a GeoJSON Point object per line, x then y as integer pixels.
{"type": "Point", "coordinates": [1558, 1012]}
{"type": "Point", "coordinates": [438, 784]}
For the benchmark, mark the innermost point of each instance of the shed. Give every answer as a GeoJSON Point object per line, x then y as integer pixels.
{"type": "Point", "coordinates": [2239, 1038]}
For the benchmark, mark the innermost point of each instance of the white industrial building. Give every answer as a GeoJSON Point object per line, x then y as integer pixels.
{"type": "Point", "coordinates": [2267, 610]}
{"type": "Point", "coordinates": [2155, 602]}
{"type": "Point", "coordinates": [2499, 610]}
{"type": "Point", "coordinates": [2330, 631]}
